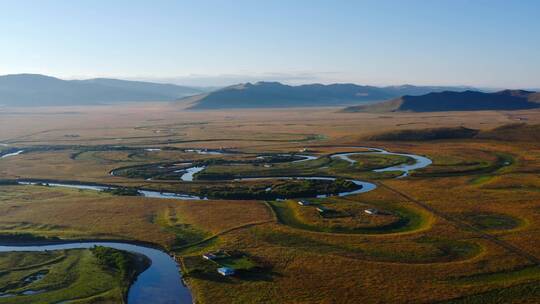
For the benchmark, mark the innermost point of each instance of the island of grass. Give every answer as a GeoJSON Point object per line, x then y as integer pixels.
{"type": "Point", "coordinates": [367, 161]}
{"type": "Point", "coordinates": [99, 274]}
{"type": "Point", "coordinates": [123, 191]}
{"type": "Point", "coordinates": [328, 165]}
{"type": "Point", "coordinates": [334, 215]}
{"type": "Point", "coordinates": [269, 166]}
{"type": "Point", "coordinates": [290, 188]}
{"type": "Point", "coordinates": [483, 164]}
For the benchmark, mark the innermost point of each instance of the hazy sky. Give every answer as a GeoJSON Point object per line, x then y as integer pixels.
{"type": "Point", "coordinates": [481, 43]}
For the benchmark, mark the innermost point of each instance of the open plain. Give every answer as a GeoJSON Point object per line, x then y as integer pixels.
{"type": "Point", "coordinates": [461, 230]}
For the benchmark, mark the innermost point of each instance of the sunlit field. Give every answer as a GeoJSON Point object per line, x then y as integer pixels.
{"type": "Point", "coordinates": [461, 230]}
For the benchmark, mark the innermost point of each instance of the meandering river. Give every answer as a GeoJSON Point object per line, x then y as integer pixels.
{"type": "Point", "coordinates": [420, 161]}
{"type": "Point", "coordinates": [161, 282]}
{"type": "Point", "coordinates": [12, 154]}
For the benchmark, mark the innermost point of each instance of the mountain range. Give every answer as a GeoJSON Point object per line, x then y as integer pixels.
{"type": "Point", "coordinates": [278, 95]}
{"type": "Point", "coordinates": [41, 90]}
{"type": "Point", "coordinates": [455, 101]}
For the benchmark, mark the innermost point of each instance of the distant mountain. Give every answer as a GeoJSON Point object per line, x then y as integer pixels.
{"type": "Point", "coordinates": [276, 95]}
{"type": "Point", "coordinates": [40, 90]}
{"type": "Point", "coordinates": [455, 101]}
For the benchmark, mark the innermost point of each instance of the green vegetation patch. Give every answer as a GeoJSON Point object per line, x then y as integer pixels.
{"type": "Point", "coordinates": [245, 267]}
{"type": "Point", "coordinates": [123, 191]}
{"type": "Point", "coordinates": [56, 276]}
{"type": "Point", "coordinates": [185, 234]}
{"type": "Point", "coordinates": [462, 165]}
{"type": "Point", "coordinates": [237, 262]}
{"type": "Point", "coordinates": [407, 220]}
{"type": "Point", "coordinates": [491, 221]}
{"type": "Point", "coordinates": [322, 166]}
{"type": "Point", "coordinates": [377, 161]}
{"type": "Point", "coordinates": [279, 189]}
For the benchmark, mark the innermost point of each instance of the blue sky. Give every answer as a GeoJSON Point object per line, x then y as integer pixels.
{"type": "Point", "coordinates": [488, 43]}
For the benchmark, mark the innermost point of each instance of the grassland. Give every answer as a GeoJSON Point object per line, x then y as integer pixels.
{"type": "Point", "coordinates": [56, 276]}
{"type": "Point", "coordinates": [348, 217]}
{"type": "Point", "coordinates": [464, 230]}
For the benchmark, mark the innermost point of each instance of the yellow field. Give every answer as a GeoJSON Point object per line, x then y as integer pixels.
{"type": "Point", "coordinates": [473, 215]}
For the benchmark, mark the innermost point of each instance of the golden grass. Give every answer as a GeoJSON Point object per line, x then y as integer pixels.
{"type": "Point", "coordinates": [301, 266]}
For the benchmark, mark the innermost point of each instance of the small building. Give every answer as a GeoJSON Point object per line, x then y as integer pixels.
{"type": "Point", "coordinates": [372, 211]}
{"type": "Point", "coordinates": [303, 150]}
{"type": "Point", "coordinates": [322, 209]}
{"type": "Point", "coordinates": [304, 203]}
{"type": "Point", "coordinates": [225, 271]}
{"type": "Point", "coordinates": [209, 256]}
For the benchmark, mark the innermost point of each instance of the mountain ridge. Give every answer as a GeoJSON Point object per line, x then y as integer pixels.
{"type": "Point", "coordinates": [265, 94]}
{"type": "Point", "coordinates": [455, 101]}
{"type": "Point", "coordinates": [43, 90]}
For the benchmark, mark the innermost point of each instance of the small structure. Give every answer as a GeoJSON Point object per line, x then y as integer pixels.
{"type": "Point", "coordinates": [372, 211]}
{"type": "Point", "coordinates": [303, 150]}
{"type": "Point", "coordinates": [303, 203]}
{"type": "Point", "coordinates": [322, 209]}
{"type": "Point", "coordinates": [209, 256]}
{"type": "Point", "coordinates": [225, 271]}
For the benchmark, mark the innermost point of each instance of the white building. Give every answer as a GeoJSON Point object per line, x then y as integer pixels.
{"type": "Point", "coordinates": [225, 271]}
{"type": "Point", "coordinates": [304, 203]}
{"type": "Point", "coordinates": [371, 211]}
{"type": "Point", "coordinates": [209, 256]}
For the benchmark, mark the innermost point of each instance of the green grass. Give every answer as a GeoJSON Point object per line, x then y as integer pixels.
{"type": "Point", "coordinates": [409, 220]}
{"type": "Point", "coordinates": [185, 233]}
{"type": "Point", "coordinates": [68, 274]}
{"type": "Point", "coordinates": [323, 166]}
{"type": "Point", "coordinates": [491, 221]}
{"type": "Point", "coordinates": [505, 162]}
{"type": "Point", "coordinates": [483, 169]}
{"type": "Point", "coordinates": [377, 161]}
{"type": "Point", "coordinates": [242, 262]}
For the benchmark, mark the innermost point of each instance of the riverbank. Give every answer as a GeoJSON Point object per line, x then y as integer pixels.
{"type": "Point", "coordinates": [160, 282]}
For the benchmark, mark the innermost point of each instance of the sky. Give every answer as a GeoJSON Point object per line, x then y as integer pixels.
{"type": "Point", "coordinates": [483, 43]}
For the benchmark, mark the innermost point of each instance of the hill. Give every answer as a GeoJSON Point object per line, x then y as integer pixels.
{"type": "Point", "coordinates": [425, 134]}
{"type": "Point", "coordinates": [513, 132]}
{"type": "Point", "coordinates": [508, 132]}
{"type": "Point", "coordinates": [276, 95]}
{"type": "Point", "coordinates": [455, 101]}
{"type": "Point", "coordinates": [41, 90]}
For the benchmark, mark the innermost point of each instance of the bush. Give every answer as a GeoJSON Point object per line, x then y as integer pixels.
{"type": "Point", "coordinates": [123, 191]}
{"type": "Point", "coordinates": [113, 259]}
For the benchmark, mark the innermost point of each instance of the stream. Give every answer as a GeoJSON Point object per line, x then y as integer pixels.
{"type": "Point", "coordinates": [161, 282]}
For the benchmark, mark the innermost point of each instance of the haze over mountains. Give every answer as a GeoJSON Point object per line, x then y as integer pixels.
{"type": "Point", "coordinates": [277, 95]}
{"type": "Point", "coordinates": [41, 90]}
{"type": "Point", "coordinates": [456, 101]}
